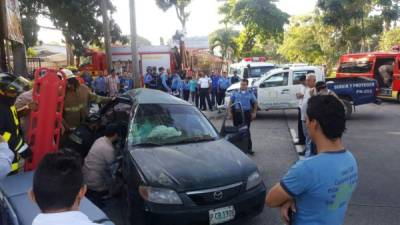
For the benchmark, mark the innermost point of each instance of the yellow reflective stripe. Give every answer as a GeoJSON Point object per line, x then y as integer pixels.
{"type": "Point", "coordinates": [7, 136]}
{"type": "Point", "coordinates": [74, 109]}
{"type": "Point", "coordinates": [14, 167]}
{"type": "Point", "coordinates": [15, 115]}
{"type": "Point", "coordinates": [19, 143]}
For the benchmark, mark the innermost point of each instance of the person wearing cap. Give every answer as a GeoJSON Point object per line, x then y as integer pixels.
{"type": "Point", "coordinates": [76, 102]}
{"type": "Point", "coordinates": [322, 89]}
{"type": "Point", "coordinates": [97, 166]}
{"type": "Point", "coordinates": [235, 79]}
{"type": "Point", "coordinates": [165, 80]}
{"type": "Point", "coordinates": [149, 79]}
{"type": "Point", "coordinates": [10, 130]}
{"type": "Point", "coordinates": [243, 103]}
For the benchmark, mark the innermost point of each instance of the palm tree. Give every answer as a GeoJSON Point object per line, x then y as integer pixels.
{"type": "Point", "coordinates": [225, 39]}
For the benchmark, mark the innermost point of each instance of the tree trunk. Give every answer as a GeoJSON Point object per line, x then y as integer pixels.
{"type": "Point", "coordinates": [70, 52]}
{"type": "Point", "coordinates": [106, 30]}
{"type": "Point", "coordinates": [3, 58]}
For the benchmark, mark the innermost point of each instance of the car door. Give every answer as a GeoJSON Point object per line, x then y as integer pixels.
{"type": "Point", "coordinates": [237, 135]}
{"type": "Point", "coordinates": [274, 91]}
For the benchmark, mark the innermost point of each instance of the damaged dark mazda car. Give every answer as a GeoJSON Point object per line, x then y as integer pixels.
{"type": "Point", "coordinates": [178, 169]}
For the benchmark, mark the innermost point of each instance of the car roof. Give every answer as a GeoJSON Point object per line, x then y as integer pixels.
{"type": "Point", "coordinates": [150, 96]}
{"type": "Point", "coordinates": [16, 187]}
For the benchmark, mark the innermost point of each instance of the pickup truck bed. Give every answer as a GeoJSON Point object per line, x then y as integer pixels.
{"type": "Point", "coordinates": [354, 91]}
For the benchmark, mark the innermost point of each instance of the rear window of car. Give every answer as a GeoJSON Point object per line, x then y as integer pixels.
{"type": "Point", "coordinates": [355, 67]}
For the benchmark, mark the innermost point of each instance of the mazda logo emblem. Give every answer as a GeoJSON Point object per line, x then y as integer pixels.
{"type": "Point", "coordinates": [218, 195]}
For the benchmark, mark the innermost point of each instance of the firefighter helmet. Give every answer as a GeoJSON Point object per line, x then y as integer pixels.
{"type": "Point", "coordinates": [68, 73]}
{"type": "Point", "coordinates": [12, 83]}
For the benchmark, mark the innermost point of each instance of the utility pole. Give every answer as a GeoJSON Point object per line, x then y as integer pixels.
{"type": "Point", "coordinates": [106, 29]}
{"type": "Point", "coordinates": [135, 61]}
{"type": "Point", "coordinates": [3, 60]}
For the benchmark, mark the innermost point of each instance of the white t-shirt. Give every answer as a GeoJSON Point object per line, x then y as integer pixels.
{"type": "Point", "coordinates": [63, 218]}
{"type": "Point", "coordinates": [204, 82]}
{"type": "Point", "coordinates": [304, 104]}
{"type": "Point", "coordinates": [302, 91]}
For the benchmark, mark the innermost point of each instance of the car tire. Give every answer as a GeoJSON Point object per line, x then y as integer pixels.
{"type": "Point", "coordinates": [134, 215]}
{"type": "Point", "coordinates": [348, 108]}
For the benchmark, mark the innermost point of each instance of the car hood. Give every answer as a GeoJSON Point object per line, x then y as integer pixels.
{"type": "Point", "coordinates": [236, 86]}
{"type": "Point", "coordinates": [193, 166]}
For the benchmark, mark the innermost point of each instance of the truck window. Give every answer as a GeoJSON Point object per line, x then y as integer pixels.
{"type": "Point", "coordinates": [276, 80]}
{"type": "Point", "coordinates": [259, 71]}
{"type": "Point", "coordinates": [298, 74]}
{"type": "Point", "coordinates": [355, 67]}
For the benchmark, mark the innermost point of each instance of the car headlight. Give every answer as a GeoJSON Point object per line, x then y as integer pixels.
{"type": "Point", "coordinates": [160, 195]}
{"type": "Point", "coordinates": [253, 180]}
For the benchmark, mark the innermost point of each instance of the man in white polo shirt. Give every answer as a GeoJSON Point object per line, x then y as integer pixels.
{"type": "Point", "coordinates": [204, 84]}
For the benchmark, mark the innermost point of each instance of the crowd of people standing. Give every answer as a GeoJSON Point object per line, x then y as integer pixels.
{"type": "Point", "coordinates": [205, 90]}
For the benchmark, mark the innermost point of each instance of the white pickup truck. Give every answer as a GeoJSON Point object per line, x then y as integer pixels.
{"type": "Point", "coordinates": [278, 88]}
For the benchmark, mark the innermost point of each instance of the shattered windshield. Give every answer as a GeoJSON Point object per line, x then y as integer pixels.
{"type": "Point", "coordinates": [162, 124]}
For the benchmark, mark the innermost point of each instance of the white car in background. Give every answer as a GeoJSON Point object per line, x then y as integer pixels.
{"type": "Point", "coordinates": [278, 88]}
{"type": "Point", "coordinates": [253, 67]}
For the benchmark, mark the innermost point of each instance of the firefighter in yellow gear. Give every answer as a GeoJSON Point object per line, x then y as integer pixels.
{"type": "Point", "coordinates": [76, 102]}
{"type": "Point", "coordinates": [10, 87]}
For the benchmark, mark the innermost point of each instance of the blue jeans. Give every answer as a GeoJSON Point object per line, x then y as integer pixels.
{"type": "Point", "coordinates": [310, 146]}
{"type": "Point", "coordinates": [214, 92]}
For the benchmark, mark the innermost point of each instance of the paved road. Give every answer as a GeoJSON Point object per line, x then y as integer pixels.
{"type": "Point", "coordinates": [275, 153]}
{"type": "Point", "coordinates": [373, 135]}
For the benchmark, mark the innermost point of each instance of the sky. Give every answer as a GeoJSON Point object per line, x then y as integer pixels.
{"type": "Point", "coordinates": [153, 23]}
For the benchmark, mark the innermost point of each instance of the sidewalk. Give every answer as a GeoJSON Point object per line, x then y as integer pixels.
{"type": "Point", "coordinates": [293, 132]}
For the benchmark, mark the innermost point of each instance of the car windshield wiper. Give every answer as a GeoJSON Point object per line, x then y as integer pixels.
{"type": "Point", "coordinates": [193, 140]}
{"type": "Point", "coordinates": [146, 144]}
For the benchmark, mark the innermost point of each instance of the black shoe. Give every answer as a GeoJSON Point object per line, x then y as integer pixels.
{"type": "Point", "coordinates": [303, 153]}
{"type": "Point", "coordinates": [299, 143]}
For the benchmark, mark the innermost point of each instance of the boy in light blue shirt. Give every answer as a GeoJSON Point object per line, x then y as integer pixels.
{"type": "Point", "coordinates": [318, 190]}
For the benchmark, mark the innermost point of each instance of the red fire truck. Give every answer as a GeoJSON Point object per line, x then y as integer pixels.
{"type": "Point", "coordinates": [93, 61]}
{"type": "Point", "coordinates": [381, 66]}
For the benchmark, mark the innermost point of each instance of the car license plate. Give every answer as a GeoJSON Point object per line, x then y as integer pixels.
{"type": "Point", "coordinates": [222, 215]}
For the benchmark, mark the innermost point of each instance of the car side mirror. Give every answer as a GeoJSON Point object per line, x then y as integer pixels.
{"type": "Point", "coordinates": [262, 85]}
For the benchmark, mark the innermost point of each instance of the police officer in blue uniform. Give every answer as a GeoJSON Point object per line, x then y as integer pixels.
{"type": "Point", "coordinates": [150, 80]}
{"type": "Point", "coordinates": [244, 100]}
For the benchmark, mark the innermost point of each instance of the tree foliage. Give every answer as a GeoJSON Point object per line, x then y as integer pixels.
{"type": "Point", "coordinates": [78, 20]}
{"type": "Point", "coordinates": [389, 39]}
{"type": "Point", "coordinates": [309, 40]}
{"type": "Point", "coordinates": [358, 23]}
{"type": "Point", "coordinates": [225, 39]}
{"type": "Point", "coordinates": [180, 8]}
{"type": "Point", "coordinates": [261, 20]}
